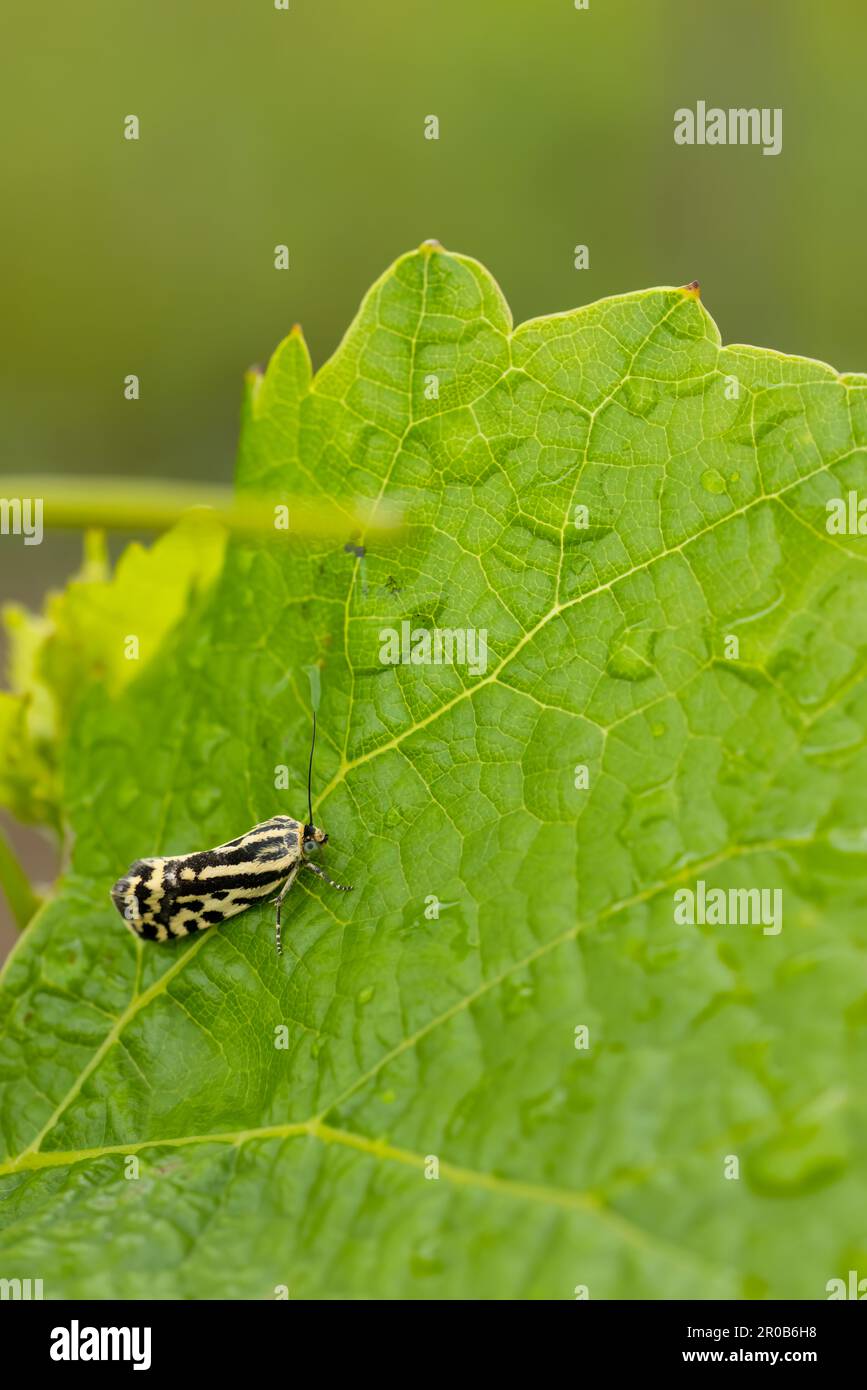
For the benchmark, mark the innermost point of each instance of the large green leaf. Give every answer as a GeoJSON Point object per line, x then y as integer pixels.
{"type": "Point", "coordinates": [705, 471]}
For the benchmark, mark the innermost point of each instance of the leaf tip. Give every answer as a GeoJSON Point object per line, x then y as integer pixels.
{"type": "Point", "coordinates": [428, 247]}
{"type": "Point", "coordinates": [693, 288]}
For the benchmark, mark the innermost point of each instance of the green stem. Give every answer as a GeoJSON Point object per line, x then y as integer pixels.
{"type": "Point", "coordinates": [16, 885]}
{"type": "Point", "coordinates": [154, 504]}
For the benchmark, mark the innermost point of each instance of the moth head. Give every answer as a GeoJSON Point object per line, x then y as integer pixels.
{"type": "Point", "coordinates": [119, 893]}
{"type": "Point", "coordinates": [124, 898]}
{"type": "Point", "coordinates": [313, 838]}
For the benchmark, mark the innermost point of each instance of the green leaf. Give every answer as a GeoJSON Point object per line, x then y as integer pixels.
{"type": "Point", "coordinates": [413, 1038]}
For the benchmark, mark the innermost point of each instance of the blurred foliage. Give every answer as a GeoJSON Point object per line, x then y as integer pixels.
{"type": "Point", "coordinates": [79, 637]}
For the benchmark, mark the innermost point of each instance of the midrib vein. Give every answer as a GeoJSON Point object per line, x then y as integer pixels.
{"type": "Point", "coordinates": [141, 1001]}
{"type": "Point", "coordinates": [558, 609]}
{"type": "Point", "coordinates": [136, 1004]}
{"type": "Point", "coordinates": [560, 1198]}
{"type": "Point", "coordinates": [688, 871]}
{"type": "Point", "coordinates": [557, 1198]}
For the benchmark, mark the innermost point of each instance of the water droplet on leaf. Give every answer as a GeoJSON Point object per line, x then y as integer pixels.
{"type": "Point", "coordinates": [713, 481]}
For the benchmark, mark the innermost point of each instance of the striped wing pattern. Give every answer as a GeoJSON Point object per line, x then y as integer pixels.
{"type": "Point", "coordinates": [162, 898]}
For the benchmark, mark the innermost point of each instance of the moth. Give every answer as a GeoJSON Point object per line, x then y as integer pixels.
{"type": "Point", "coordinates": [164, 898]}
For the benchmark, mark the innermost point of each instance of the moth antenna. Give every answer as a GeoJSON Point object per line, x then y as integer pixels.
{"type": "Point", "coordinates": [310, 774]}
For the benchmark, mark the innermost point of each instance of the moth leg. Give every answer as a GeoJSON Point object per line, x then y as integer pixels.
{"type": "Point", "coordinates": [290, 879]}
{"type": "Point", "coordinates": [314, 868]}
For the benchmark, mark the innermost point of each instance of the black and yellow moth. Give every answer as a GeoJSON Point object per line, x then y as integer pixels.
{"type": "Point", "coordinates": [167, 897]}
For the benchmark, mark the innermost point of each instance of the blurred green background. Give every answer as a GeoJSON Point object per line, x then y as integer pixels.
{"type": "Point", "coordinates": [306, 126]}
